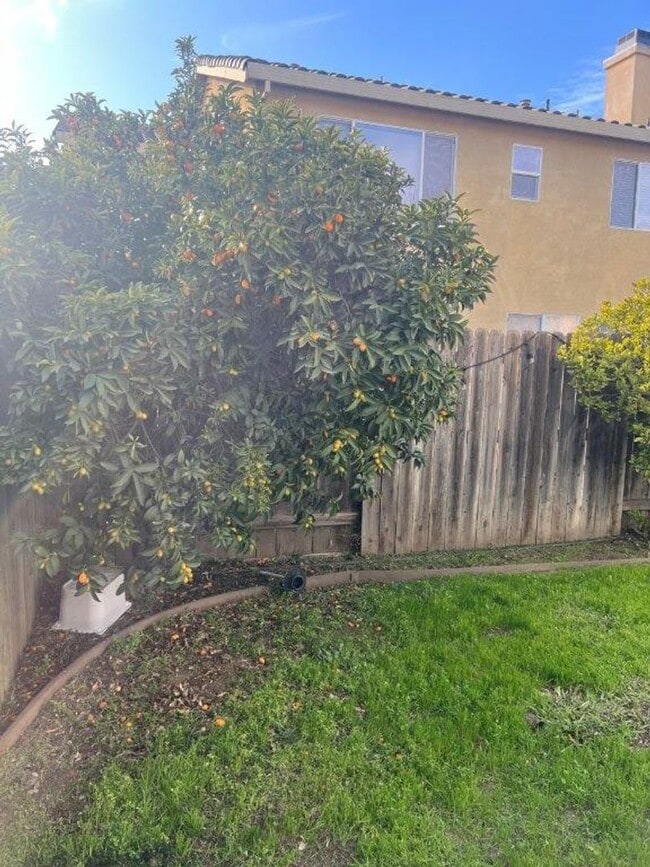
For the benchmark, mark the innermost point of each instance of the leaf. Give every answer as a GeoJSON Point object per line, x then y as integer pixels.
{"type": "Point", "coordinates": [121, 482]}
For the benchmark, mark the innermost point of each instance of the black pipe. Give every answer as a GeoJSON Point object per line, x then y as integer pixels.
{"type": "Point", "coordinates": [293, 581]}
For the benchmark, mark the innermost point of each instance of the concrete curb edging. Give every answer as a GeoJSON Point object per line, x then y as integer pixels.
{"type": "Point", "coordinates": [329, 579]}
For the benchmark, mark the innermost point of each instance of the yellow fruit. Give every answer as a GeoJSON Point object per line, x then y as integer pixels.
{"type": "Point", "coordinates": [83, 578]}
{"type": "Point", "coordinates": [38, 451]}
{"type": "Point", "coordinates": [219, 722]}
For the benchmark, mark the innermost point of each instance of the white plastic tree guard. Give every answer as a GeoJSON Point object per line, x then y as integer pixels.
{"type": "Point", "coordinates": [82, 613]}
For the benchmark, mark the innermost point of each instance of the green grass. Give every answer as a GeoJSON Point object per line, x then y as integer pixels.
{"type": "Point", "coordinates": [469, 721]}
{"type": "Point", "coordinates": [557, 552]}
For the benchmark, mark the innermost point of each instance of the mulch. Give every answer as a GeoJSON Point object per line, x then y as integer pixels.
{"type": "Point", "coordinates": [49, 651]}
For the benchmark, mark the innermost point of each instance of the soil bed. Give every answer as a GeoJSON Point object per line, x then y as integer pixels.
{"type": "Point", "coordinates": [49, 651]}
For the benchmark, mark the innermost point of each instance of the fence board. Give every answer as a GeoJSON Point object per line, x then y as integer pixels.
{"type": "Point", "coordinates": [19, 580]}
{"type": "Point", "coordinates": [551, 436]}
{"type": "Point", "coordinates": [636, 488]}
{"type": "Point", "coordinates": [506, 478]}
{"type": "Point", "coordinates": [521, 462]}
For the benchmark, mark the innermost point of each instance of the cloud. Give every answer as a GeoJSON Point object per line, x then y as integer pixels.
{"type": "Point", "coordinates": [246, 36]}
{"type": "Point", "coordinates": [583, 92]}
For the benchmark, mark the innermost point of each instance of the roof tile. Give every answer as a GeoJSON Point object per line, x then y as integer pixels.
{"type": "Point", "coordinates": [241, 61]}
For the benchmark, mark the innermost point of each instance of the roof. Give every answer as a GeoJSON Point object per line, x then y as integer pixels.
{"type": "Point", "coordinates": [243, 68]}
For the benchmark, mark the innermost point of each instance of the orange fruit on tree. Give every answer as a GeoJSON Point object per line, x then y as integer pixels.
{"type": "Point", "coordinates": [328, 225]}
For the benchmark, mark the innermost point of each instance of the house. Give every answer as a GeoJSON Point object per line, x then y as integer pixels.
{"type": "Point", "coordinates": [563, 200]}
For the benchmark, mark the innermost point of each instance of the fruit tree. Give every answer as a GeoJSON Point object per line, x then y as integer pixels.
{"type": "Point", "coordinates": [210, 308]}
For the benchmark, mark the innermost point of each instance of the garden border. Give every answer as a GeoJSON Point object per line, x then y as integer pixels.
{"type": "Point", "coordinates": [29, 714]}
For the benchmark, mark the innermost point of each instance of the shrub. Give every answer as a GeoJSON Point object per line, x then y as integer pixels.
{"type": "Point", "coordinates": [609, 360]}
{"type": "Point", "coordinates": [214, 307]}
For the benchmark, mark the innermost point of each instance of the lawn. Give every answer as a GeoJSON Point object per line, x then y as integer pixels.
{"type": "Point", "coordinates": [462, 721]}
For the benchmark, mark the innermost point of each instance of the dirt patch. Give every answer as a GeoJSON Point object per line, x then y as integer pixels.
{"type": "Point", "coordinates": [582, 715]}
{"type": "Point", "coordinates": [325, 853]}
{"type": "Point", "coordinates": [498, 631]}
{"type": "Point", "coordinates": [50, 651]}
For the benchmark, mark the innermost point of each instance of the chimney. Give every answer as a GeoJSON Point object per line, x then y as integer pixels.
{"type": "Point", "coordinates": [627, 79]}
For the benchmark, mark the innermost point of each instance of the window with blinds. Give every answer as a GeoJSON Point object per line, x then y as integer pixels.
{"type": "Point", "coordinates": [429, 159]}
{"type": "Point", "coordinates": [630, 208]}
{"type": "Point", "coordinates": [526, 172]}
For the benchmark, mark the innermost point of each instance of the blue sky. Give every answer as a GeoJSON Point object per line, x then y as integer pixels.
{"type": "Point", "coordinates": [123, 49]}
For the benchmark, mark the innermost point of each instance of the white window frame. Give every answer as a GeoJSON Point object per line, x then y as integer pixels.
{"type": "Point", "coordinates": [543, 322]}
{"type": "Point", "coordinates": [422, 132]}
{"type": "Point", "coordinates": [537, 175]}
{"type": "Point", "coordinates": [633, 228]}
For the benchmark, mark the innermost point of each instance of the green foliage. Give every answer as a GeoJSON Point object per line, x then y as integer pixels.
{"type": "Point", "coordinates": [214, 307]}
{"type": "Point", "coordinates": [609, 360]}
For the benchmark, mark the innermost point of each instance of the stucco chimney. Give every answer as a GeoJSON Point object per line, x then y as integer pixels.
{"type": "Point", "coordinates": [627, 79]}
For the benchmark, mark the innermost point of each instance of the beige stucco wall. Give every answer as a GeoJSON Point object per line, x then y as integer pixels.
{"type": "Point", "coordinates": [558, 255]}
{"type": "Point", "coordinates": [627, 91]}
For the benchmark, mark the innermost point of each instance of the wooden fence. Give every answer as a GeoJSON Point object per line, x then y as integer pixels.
{"type": "Point", "coordinates": [19, 580]}
{"type": "Point", "coordinates": [636, 489]}
{"type": "Point", "coordinates": [521, 463]}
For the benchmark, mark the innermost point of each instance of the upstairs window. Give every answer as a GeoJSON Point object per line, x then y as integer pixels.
{"type": "Point", "coordinates": [559, 323]}
{"type": "Point", "coordinates": [630, 195]}
{"type": "Point", "coordinates": [428, 158]}
{"type": "Point", "coordinates": [526, 172]}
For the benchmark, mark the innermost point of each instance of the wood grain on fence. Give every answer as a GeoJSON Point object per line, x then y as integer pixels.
{"type": "Point", "coordinates": [19, 580]}
{"type": "Point", "coordinates": [636, 490]}
{"type": "Point", "coordinates": [522, 462]}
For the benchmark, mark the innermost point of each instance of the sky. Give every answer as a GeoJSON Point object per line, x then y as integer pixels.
{"type": "Point", "coordinates": [123, 50]}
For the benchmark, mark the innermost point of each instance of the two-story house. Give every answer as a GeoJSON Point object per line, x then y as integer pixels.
{"type": "Point", "coordinates": [563, 200]}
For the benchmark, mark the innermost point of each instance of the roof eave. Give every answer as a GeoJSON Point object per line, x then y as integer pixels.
{"type": "Point", "coordinates": [253, 71]}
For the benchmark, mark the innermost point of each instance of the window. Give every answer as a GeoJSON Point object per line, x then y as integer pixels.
{"type": "Point", "coordinates": [526, 172]}
{"type": "Point", "coordinates": [559, 323]}
{"type": "Point", "coordinates": [630, 195]}
{"type": "Point", "coordinates": [428, 158]}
